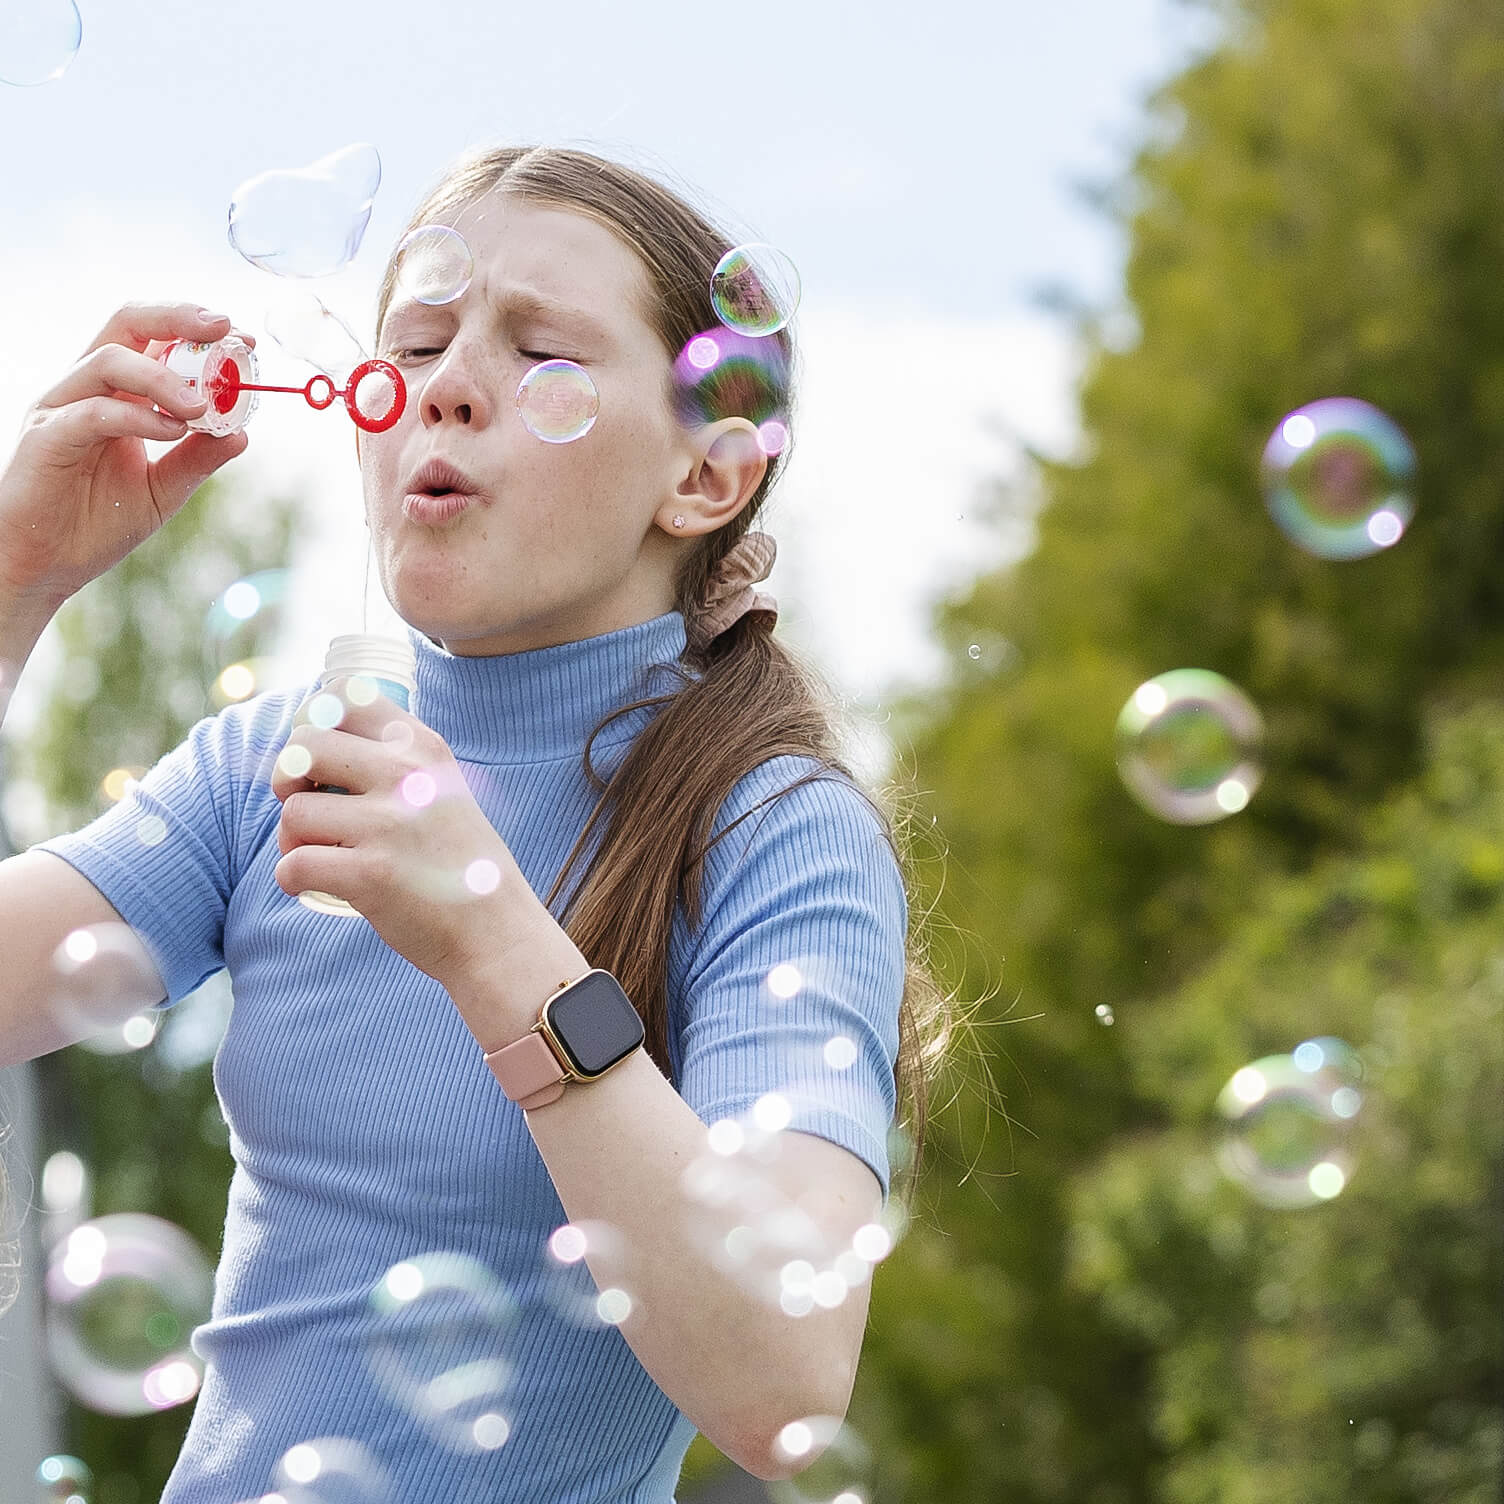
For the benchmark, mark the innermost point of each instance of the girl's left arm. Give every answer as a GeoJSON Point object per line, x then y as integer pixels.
{"type": "Point", "coordinates": [617, 1149]}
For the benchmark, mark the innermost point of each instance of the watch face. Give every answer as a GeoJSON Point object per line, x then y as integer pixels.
{"type": "Point", "coordinates": [595, 1023]}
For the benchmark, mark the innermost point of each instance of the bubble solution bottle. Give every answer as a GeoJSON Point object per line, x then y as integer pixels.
{"type": "Point", "coordinates": [391, 664]}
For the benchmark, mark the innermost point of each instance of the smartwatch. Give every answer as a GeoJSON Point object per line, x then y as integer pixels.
{"type": "Point", "coordinates": [584, 1028]}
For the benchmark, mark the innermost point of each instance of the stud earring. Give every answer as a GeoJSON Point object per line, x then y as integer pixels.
{"type": "Point", "coordinates": [678, 522]}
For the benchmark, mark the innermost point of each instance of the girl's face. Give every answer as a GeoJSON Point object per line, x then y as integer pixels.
{"type": "Point", "coordinates": [562, 541]}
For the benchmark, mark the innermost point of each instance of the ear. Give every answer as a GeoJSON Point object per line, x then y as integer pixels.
{"type": "Point", "coordinates": [727, 465]}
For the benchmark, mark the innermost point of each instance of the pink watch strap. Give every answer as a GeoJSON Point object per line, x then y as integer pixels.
{"type": "Point", "coordinates": [529, 1071]}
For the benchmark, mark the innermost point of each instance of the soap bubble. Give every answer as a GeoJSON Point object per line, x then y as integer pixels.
{"type": "Point", "coordinates": [840, 1474]}
{"type": "Point", "coordinates": [308, 331]}
{"type": "Point", "coordinates": [1339, 477]}
{"type": "Point", "coordinates": [558, 401]}
{"type": "Point", "coordinates": [437, 1346]}
{"type": "Point", "coordinates": [1291, 1118]}
{"type": "Point", "coordinates": [306, 221]}
{"type": "Point", "coordinates": [755, 289]}
{"type": "Point", "coordinates": [332, 1470]}
{"type": "Point", "coordinates": [744, 1216]}
{"type": "Point", "coordinates": [376, 393]}
{"type": "Point", "coordinates": [64, 1480]}
{"type": "Point", "coordinates": [434, 265]}
{"type": "Point", "coordinates": [124, 1294]}
{"type": "Point", "coordinates": [38, 39]}
{"type": "Point", "coordinates": [241, 634]}
{"type": "Point", "coordinates": [100, 969]}
{"type": "Point", "coordinates": [1188, 746]}
{"type": "Point", "coordinates": [722, 374]}
{"type": "Point", "coordinates": [567, 1285]}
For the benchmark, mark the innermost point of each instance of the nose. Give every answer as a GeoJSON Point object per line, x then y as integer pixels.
{"type": "Point", "coordinates": [461, 386]}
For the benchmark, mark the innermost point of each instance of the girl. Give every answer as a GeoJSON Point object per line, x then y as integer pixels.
{"type": "Point", "coordinates": [622, 800]}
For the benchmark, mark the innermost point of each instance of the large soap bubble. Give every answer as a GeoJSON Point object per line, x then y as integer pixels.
{"type": "Point", "coordinates": [755, 289]}
{"type": "Point", "coordinates": [38, 39]}
{"type": "Point", "coordinates": [436, 1344]}
{"type": "Point", "coordinates": [1188, 745]}
{"type": "Point", "coordinates": [306, 221]}
{"type": "Point", "coordinates": [557, 401]}
{"type": "Point", "coordinates": [1291, 1119]}
{"type": "Point", "coordinates": [1339, 478]}
{"type": "Point", "coordinates": [434, 265]}
{"type": "Point", "coordinates": [124, 1294]}
{"type": "Point", "coordinates": [309, 331]}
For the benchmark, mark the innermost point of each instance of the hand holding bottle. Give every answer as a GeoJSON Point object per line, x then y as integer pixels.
{"type": "Point", "coordinates": [80, 491]}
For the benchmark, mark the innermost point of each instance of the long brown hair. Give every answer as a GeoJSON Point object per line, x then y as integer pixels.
{"type": "Point", "coordinates": [749, 699]}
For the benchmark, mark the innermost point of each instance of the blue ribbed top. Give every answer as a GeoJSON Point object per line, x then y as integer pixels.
{"type": "Point", "coordinates": [366, 1129]}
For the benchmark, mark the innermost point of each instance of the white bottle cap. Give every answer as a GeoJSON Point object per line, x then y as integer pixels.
{"type": "Point", "coordinates": [370, 653]}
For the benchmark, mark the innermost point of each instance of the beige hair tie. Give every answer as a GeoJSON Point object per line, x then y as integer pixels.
{"type": "Point", "coordinates": [729, 594]}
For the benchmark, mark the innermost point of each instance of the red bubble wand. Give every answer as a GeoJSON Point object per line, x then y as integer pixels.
{"type": "Point", "coordinates": [226, 384]}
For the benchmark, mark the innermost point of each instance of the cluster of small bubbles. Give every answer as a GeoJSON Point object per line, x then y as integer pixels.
{"type": "Point", "coordinates": [557, 401]}
{"type": "Point", "coordinates": [724, 374]}
{"type": "Point", "coordinates": [240, 636]}
{"type": "Point", "coordinates": [123, 1295]}
{"type": "Point", "coordinates": [62, 1479]}
{"type": "Point", "coordinates": [1339, 477]}
{"type": "Point", "coordinates": [567, 1286]}
{"type": "Point", "coordinates": [308, 331]}
{"type": "Point", "coordinates": [1290, 1117]}
{"type": "Point", "coordinates": [436, 1344]}
{"type": "Point", "coordinates": [1105, 1015]}
{"type": "Point", "coordinates": [306, 221]}
{"type": "Point", "coordinates": [96, 966]}
{"type": "Point", "coordinates": [38, 39]}
{"type": "Point", "coordinates": [331, 1470]}
{"type": "Point", "coordinates": [747, 1215]}
{"type": "Point", "coordinates": [1188, 746]}
{"type": "Point", "coordinates": [840, 1471]}
{"type": "Point", "coordinates": [755, 289]}
{"type": "Point", "coordinates": [434, 265]}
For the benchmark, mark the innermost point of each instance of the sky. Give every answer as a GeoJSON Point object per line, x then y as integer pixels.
{"type": "Point", "coordinates": [918, 163]}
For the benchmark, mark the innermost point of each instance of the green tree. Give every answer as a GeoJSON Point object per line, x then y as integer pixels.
{"type": "Point", "coordinates": [1317, 210]}
{"type": "Point", "coordinates": [1348, 1350]}
{"type": "Point", "coordinates": [137, 671]}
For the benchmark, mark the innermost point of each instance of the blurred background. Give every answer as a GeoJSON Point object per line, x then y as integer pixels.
{"type": "Point", "coordinates": [1211, 1206]}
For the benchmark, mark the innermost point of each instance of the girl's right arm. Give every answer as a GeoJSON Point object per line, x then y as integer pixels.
{"type": "Point", "coordinates": [78, 495]}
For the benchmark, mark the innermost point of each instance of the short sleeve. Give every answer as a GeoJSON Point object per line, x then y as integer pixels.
{"type": "Point", "coordinates": [169, 854]}
{"type": "Point", "coordinates": [796, 972]}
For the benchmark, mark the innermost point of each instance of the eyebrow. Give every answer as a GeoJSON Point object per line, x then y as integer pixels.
{"type": "Point", "coordinates": [528, 303]}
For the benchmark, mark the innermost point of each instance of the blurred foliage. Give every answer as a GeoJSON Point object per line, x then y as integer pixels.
{"type": "Point", "coordinates": [134, 679]}
{"type": "Point", "coordinates": [1317, 210]}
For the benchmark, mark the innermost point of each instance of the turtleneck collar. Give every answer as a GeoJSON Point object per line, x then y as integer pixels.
{"type": "Point", "coordinates": [543, 704]}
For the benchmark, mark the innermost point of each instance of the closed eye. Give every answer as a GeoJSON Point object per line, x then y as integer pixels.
{"type": "Point", "coordinates": [412, 352]}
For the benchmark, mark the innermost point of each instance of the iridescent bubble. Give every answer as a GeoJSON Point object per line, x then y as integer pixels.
{"type": "Point", "coordinates": [102, 971]}
{"type": "Point", "coordinates": [241, 636]}
{"type": "Point", "coordinates": [306, 221]}
{"type": "Point", "coordinates": [38, 39]}
{"type": "Point", "coordinates": [1291, 1118]}
{"type": "Point", "coordinates": [841, 1472]}
{"type": "Point", "coordinates": [1188, 745]}
{"type": "Point", "coordinates": [64, 1480]}
{"type": "Point", "coordinates": [755, 289]}
{"type": "Point", "coordinates": [434, 265]}
{"type": "Point", "coordinates": [1339, 478]}
{"type": "Point", "coordinates": [747, 1217]}
{"type": "Point", "coordinates": [308, 331]}
{"type": "Point", "coordinates": [437, 1345]}
{"type": "Point", "coordinates": [558, 401]}
{"type": "Point", "coordinates": [332, 1470]}
{"type": "Point", "coordinates": [722, 374]}
{"type": "Point", "coordinates": [124, 1294]}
